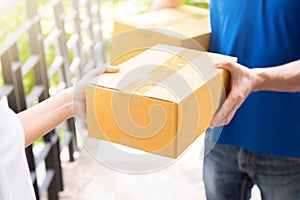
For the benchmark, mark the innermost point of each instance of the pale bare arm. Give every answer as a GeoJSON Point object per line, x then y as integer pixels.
{"type": "Point", "coordinates": [45, 116]}
{"type": "Point", "coordinates": [159, 4]}
{"type": "Point", "coordinates": [284, 78]}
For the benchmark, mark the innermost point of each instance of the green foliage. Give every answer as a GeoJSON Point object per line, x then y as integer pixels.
{"type": "Point", "coordinates": [9, 23]}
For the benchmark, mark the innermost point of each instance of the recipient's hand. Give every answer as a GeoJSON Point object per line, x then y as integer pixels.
{"type": "Point", "coordinates": [79, 107]}
{"type": "Point", "coordinates": [242, 84]}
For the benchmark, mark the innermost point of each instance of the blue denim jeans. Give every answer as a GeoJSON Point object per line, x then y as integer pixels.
{"type": "Point", "coordinates": [230, 172]}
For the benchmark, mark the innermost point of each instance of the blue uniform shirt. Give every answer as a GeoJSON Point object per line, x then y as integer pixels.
{"type": "Point", "coordinates": [261, 33]}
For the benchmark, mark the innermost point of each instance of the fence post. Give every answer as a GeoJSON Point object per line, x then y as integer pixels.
{"type": "Point", "coordinates": [40, 74]}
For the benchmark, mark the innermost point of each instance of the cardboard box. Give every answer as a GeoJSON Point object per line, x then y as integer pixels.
{"type": "Point", "coordinates": [159, 102]}
{"type": "Point", "coordinates": [186, 26]}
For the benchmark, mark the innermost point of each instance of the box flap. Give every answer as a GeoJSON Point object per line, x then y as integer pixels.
{"type": "Point", "coordinates": [163, 17]}
{"type": "Point", "coordinates": [163, 72]}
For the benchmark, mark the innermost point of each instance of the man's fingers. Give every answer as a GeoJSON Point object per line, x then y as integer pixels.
{"type": "Point", "coordinates": [238, 94]}
{"type": "Point", "coordinates": [223, 112]}
{"type": "Point", "coordinates": [232, 67]}
{"type": "Point", "coordinates": [223, 117]}
{"type": "Point", "coordinates": [225, 65]}
{"type": "Point", "coordinates": [228, 109]}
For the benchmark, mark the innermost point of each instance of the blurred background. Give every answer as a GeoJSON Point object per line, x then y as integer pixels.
{"type": "Point", "coordinates": [44, 46]}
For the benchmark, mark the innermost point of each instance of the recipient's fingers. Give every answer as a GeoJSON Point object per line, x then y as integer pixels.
{"type": "Point", "coordinates": [112, 69]}
{"type": "Point", "coordinates": [100, 70]}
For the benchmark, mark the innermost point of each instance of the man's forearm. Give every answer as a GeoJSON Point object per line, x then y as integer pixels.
{"type": "Point", "coordinates": [159, 4]}
{"type": "Point", "coordinates": [46, 115]}
{"type": "Point", "coordinates": [285, 78]}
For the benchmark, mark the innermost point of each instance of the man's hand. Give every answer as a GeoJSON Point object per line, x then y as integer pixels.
{"type": "Point", "coordinates": [79, 107]}
{"type": "Point", "coordinates": [242, 84]}
{"type": "Point", "coordinates": [283, 78]}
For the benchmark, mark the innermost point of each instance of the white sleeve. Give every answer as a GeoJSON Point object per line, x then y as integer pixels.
{"type": "Point", "coordinates": [15, 181]}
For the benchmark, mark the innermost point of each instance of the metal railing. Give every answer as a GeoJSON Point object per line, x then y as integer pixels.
{"type": "Point", "coordinates": [69, 49]}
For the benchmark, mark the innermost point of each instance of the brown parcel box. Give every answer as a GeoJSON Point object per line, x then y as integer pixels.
{"type": "Point", "coordinates": [186, 26]}
{"type": "Point", "coordinates": [159, 102]}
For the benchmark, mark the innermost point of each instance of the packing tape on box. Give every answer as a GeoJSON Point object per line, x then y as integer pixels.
{"type": "Point", "coordinates": [161, 72]}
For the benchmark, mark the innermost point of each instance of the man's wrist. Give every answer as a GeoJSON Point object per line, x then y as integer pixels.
{"type": "Point", "coordinates": [259, 79]}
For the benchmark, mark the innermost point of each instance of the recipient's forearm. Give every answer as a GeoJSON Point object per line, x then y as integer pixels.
{"type": "Point", "coordinates": [285, 78]}
{"type": "Point", "coordinates": [46, 115]}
